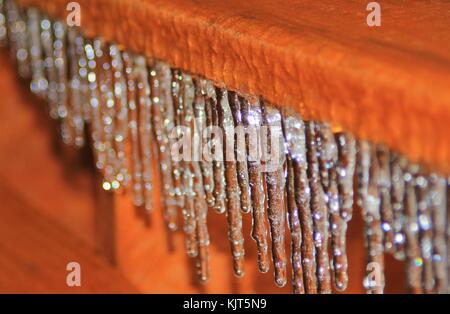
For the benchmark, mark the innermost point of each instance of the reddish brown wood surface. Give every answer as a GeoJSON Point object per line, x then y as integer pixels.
{"type": "Point", "coordinates": [388, 84]}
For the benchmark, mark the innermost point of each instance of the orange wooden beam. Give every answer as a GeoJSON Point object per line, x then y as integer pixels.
{"type": "Point", "coordinates": [388, 84]}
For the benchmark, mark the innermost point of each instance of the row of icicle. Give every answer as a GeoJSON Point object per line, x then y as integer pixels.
{"type": "Point", "coordinates": [131, 105]}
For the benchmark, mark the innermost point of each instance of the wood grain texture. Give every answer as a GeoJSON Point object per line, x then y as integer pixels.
{"type": "Point", "coordinates": [387, 84]}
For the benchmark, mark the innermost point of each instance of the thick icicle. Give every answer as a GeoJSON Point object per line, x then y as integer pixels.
{"type": "Point", "coordinates": [294, 134]}
{"type": "Point", "coordinates": [212, 120]}
{"type": "Point", "coordinates": [233, 208]}
{"type": "Point", "coordinates": [369, 200]}
{"type": "Point", "coordinates": [319, 212]}
{"type": "Point", "coordinates": [274, 162]}
{"type": "Point", "coordinates": [201, 125]}
{"type": "Point", "coordinates": [252, 119]}
{"type": "Point", "coordinates": [240, 152]}
{"type": "Point", "coordinates": [162, 113]}
{"type": "Point", "coordinates": [328, 159]}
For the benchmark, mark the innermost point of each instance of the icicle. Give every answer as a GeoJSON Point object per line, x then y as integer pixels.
{"type": "Point", "coordinates": [319, 212]}
{"type": "Point", "coordinates": [201, 211]}
{"type": "Point", "coordinates": [75, 108]}
{"type": "Point", "coordinates": [414, 260]}
{"type": "Point", "coordinates": [60, 62]}
{"type": "Point", "coordinates": [273, 145]}
{"type": "Point", "coordinates": [425, 232]}
{"type": "Point", "coordinates": [252, 119]}
{"type": "Point", "coordinates": [3, 26]}
{"type": "Point", "coordinates": [83, 72]}
{"type": "Point", "coordinates": [162, 121]}
{"type": "Point", "coordinates": [240, 152]}
{"type": "Point", "coordinates": [107, 114]}
{"type": "Point", "coordinates": [186, 116]}
{"type": "Point", "coordinates": [328, 159]}
{"type": "Point", "coordinates": [294, 134]}
{"type": "Point", "coordinates": [177, 167]}
{"type": "Point", "coordinates": [38, 83]}
{"type": "Point", "coordinates": [369, 201]}
{"type": "Point", "coordinates": [50, 69]}
{"type": "Point", "coordinates": [17, 32]}
{"type": "Point", "coordinates": [398, 163]}
{"type": "Point", "coordinates": [145, 129]}
{"type": "Point", "coordinates": [135, 161]}
{"type": "Point", "coordinates": [346, 170]}
{"type": "Point", "coordinates": [234, 216]}
{"type": "Point", "coordinates": [201, 124]}
{"type": "Point", "coordinates": [212, 120]}
{"type": "Point", "coordinates": [447, 231]}
{"type": "Point", "coordinates": [345, 173]}
{"type": "Point", "coordinates": [186, 180]}
{"type": "Point", "coordinates": [438, 209]}
{"type": "Point", "coordinates": [200, 205]}
{"type": "Point", "coordinates": [121, 115]}
{"type": "Point", "coordinates": [384, 186]}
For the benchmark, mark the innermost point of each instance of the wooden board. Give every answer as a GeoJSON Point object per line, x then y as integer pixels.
{"type": "Point", "coordinates": [387, 84]}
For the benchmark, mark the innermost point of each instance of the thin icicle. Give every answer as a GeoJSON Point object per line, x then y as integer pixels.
{"type": "Point", "coordinates": [369, 200]}
{"type": "Point", "coordinates": [346, 169]}
{"type": "Point", "coordinates": [135, 160]}
{"type": "Point", "coordinates": [398, 163]}
{"type": "Point", "coordinates": [384, 186]}
{"type": "Point", "coordinates": [60, 62]}
{"type": "Point", "coordinates": [233, 208]}
{"type": "Point", "coordinates": [121, 117]}
{"type": "Point", "coordinates": [17, 32]}
{"type": "Point", "coordinates": [75, 108]}
{"type": "Point", "coordinates": [200, 205]}
{"type": "Point", "coordinates": [145, 129]}
{"type": "Point", "coordinates": [252, 119]}
{"type": "Point", "coordinates": [184, 175]}
{"type": "Point", "coordinates": [38, 83]}
{"type": "Point", "coordinates": [437, 193]}
{"type": "Point", "coordinates": [425, 232]}
{"type": "Point", "coordinates": [345, 173]}
{"type": "Point", "coordinates": [161, 118]}
{"type": "Point", "coordinates": [177, 166]}
{"type": "Point", "coordinates": [50, 69]}
{"type": "Point", "coordinates": [3, 26]}
{"type": "Point", "coordinates": [414, 260]}
{"type": "Point", "coordinates": [107, 114]}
